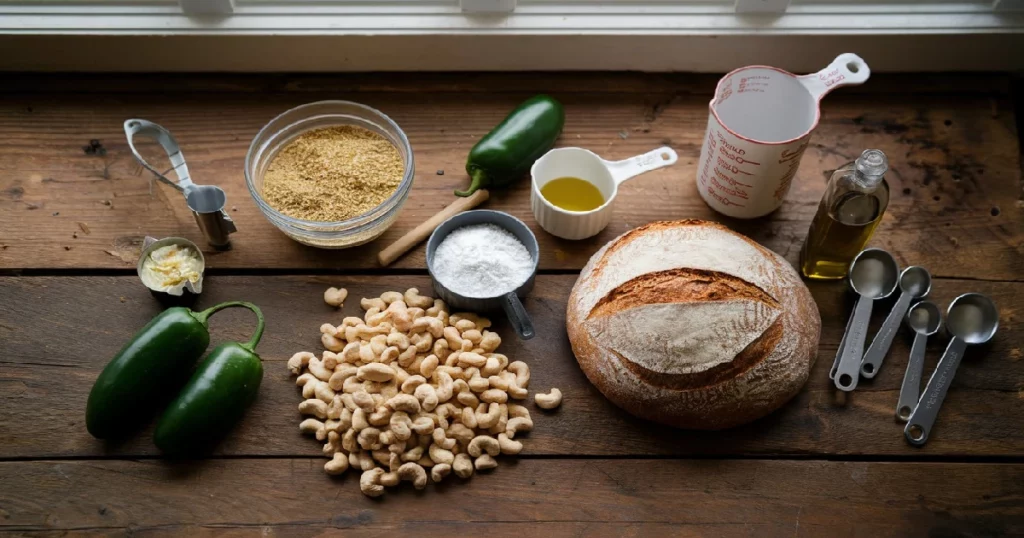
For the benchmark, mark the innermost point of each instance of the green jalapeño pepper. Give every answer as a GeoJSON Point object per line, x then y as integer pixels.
{"type": "Point", "coordinates": [147, 370]}
{"type": "Point", "coordinates": [216, 397]}
{"type": "Point", "coordinates": [508, 152]}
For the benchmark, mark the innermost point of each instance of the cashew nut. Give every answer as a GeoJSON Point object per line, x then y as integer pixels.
{"type": "Point", "coordinates": [464, 325]}
{"type": "Point", "coordinates": [413, 298]}
{"type": "Point", "coordinates": [313, 426]}
{"type": "Point", "coordinates": [413, 454]}
{"type": "Point", "coordinates": [359, 421]}
{"type": "Point", "coordinates": [483, 443]}
{"type": "Point", "coordinates": [317, 408]}
{"type": "Point", "coordinates": [380, 417]}
{"type": "Point", "coordinates": [468, 399]}
{"type": "Point", "coordinates": [331, 343]}
{"type": "Point", "coordinates": [440, 455]}
{"type": "Point", "coordinates": [316, 367]}
{"type": "Point", "coordinates": [363, 401]}
{"type": "Point", "coordinates": [390, 296]}
{"type": "Point", "coordinates": [404, 402]}
{"type": "Point", "coordinates": [412, 472]}
{"type": "Point", "coordinates": [469, 417]}
{"type": "Point", "coordinates": [299, 361]}
{"type": "Point", "coordinates": [423, 425]}
{"type": "Point", "coordinates": [439, 471]}
{"type": "Point", "coordinates": [322, 390]}
{"type": "Point", "coordinates": [412, 382]}
{"type": "Point", "coordinates": [376, 372]}
{"type": "Point", "coordinates": [463, 465]}
{"type": "Point", "coordinates": [429, 365]}
{"type": "Point", "coordinates": [550, 400]}
{"type": "Point", "coordinates": [493, 396]}
{"type": "Point", "coordinates": [335, 297]}
{"type": "Point", "coordinates": [308, 383]}
{"type": "Point", "coordinates": [485, 462]}
{"type": "Point", "coordinates": [431, 326]}
{"type": "Point", "coordinates": [442, 441]}
{"type": "Point", "coordinates": [367, 304]}
{"type": "Point", "coordinates": [337, 465]}
{"type": "Point", "coordinates": [369, 482]}
{"type": "Point", "coordinates": [427, 396]}
{"type": "Point", "coordinates": [516, 425]}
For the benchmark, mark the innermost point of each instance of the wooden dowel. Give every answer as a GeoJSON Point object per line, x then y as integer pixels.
{"type": "Point", "coordinates": [418, 234]}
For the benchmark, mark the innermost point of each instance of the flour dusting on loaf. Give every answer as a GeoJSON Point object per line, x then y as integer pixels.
{"type": "Point", "coordinates": [690, 324]}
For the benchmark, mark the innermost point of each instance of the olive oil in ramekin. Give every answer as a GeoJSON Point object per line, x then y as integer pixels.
{"type": "Point", "coordinates": [854, 201]}
{"type": "Point", "coordinates": [572, 194]}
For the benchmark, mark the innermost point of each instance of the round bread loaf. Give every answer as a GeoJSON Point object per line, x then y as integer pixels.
{"type": "Point", "coordinates": [692, 325]}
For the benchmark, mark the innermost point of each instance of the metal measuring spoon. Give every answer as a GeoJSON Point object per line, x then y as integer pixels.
{"type": "Point", "coordinates": [972, 319]}
{"type": "Point", "coordinates": [873, 276]}
{"type": "Point", "coordinates": [915, 283]}
{"type": "Point", "coordinates": [924, 318]}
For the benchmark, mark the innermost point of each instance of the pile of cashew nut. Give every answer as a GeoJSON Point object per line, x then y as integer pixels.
{"type": "Point", "coordinates": [410, 390]}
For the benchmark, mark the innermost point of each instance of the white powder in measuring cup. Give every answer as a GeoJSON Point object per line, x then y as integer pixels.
{"type": "Point", "coordinates": [481, 260]}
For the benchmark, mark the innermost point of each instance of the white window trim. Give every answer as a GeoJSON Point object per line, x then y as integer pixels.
{"type": "Point", "coordinates": [567, 17]}
{"type": "Point", "coordinates": [653, 35]}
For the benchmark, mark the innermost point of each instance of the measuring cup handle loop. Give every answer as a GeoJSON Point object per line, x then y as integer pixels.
{"type": "Point", "coordinates": [641, 164]}
{"type": "Point", "coordinates": [847, 69]}
{"type": "Point", "coordinates": [139, 127]}
{"type": "Point", "coordinates": [517, 315]}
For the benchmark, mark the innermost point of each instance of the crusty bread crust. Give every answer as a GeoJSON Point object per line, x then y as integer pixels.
{"type": "Point", "coordinates": [728, 289]}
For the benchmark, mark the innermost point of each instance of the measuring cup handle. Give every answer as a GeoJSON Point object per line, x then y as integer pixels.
{"type": "Point", "coordinates": [910, 390]}
{"type": "Point", "coordinates": [517, 315]}
{"type": "Point", "coordinates": [641, 164]}
{"type": "Point", "coordinates": [848, 371]}
{"type": "Point", "coordinates": [139, 127]}
{"type": "Point", "coordinates": [919, 425]}
{"type": "Point", "coordinates": [847, 69]}
{"type": "Point", "coordinates": [879, 347]}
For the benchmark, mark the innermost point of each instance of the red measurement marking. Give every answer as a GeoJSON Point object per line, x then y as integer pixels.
{"type": "Point", "coordinates": [727, 190]}
{"type": "Point", "coordinates": [722, 165]}
{"type": "Point", "coordinates": [730, 179]}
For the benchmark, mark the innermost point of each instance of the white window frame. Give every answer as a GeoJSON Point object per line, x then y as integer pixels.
{"type": "Point", "coordinates": [649, 35]}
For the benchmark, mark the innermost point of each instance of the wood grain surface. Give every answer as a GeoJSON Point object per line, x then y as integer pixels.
{"type": "Point", "coordinates": [955, 176]}
{"type": "Point", "coordinates": [826, 464]}
{"type": "Point", "coordinates": [293, 497]}
{"type": "Point", "coordinates": [54, 353]}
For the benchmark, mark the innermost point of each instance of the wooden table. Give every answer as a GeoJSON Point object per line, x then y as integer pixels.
{"type": "Point", "coordinates": [71, 223]}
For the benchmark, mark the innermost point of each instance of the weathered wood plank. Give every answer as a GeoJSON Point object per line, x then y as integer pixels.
{"type": "Point", "coordinates": [548, 497]}
{"type": "Point", "coordinates": [56, 334]}
{"type": "Point", "coordinates": [994, 84]}
{"type": "Point", "coordinates": [955, 179]}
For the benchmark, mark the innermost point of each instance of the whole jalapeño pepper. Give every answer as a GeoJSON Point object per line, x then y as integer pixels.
{"type": "Point", "coordinates": [148, 370]}
{"type": "Point", "coordinates": [506, 153]}
{"type": "Point", "coordinates": [214, 399]}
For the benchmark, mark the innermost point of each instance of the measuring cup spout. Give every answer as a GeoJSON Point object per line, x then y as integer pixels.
{"type": "Point", "coordinates": [641, 164]}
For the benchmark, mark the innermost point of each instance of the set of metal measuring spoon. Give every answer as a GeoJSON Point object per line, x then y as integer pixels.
{"type": "Point", "coordinates": [971, 319]}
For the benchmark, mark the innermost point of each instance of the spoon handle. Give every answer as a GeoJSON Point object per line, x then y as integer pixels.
{"type": "Point", "coordinates": [849, 365]}
{"type": "Point", "coordinates": [910, 391]}
{"type": "Point", "coordinates": [919, 426]}
{"type": "Point", "coordinates": [883, 340]}
{"type": "Point", "coordinates": [839, 352]}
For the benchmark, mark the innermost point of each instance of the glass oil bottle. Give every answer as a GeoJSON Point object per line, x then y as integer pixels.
{"type": "Point", "coordinates": [854, 201]}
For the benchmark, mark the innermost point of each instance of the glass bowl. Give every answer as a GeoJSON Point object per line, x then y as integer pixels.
{"type": "Point", "coordinates": [281, 130]}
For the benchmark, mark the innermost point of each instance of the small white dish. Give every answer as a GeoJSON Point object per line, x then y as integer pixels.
{"type": "Point", "coordinates": [586, 165]}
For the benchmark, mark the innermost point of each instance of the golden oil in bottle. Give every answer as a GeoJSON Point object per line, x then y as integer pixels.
{"type": "Point", "coordinates": [854, 201]}
{"type": "Point", "coordinates": [572, 194]}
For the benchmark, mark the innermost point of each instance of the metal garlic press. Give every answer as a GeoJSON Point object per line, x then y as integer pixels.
{"type": "Point", "coordinates": [206, 201]}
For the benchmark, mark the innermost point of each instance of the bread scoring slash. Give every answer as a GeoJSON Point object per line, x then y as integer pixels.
{"type": "Point", "coordinates": [690, 324]}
